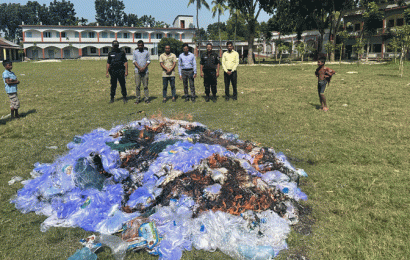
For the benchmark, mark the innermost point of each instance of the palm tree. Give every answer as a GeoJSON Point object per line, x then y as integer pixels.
{"type": "Point", "coordinates": [199, 4]}
{"type": "Point", "coordinates": [219, 7]}
{"type": "Point", "coordinates": [236, 12]}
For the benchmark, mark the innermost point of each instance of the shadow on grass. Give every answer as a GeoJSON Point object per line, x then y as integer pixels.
{"type": "Point", "coordinates": [22, 115]}
{"type": "Point", "coordinates": [315, 106]}
{"type": "Point", "coordinates": [389, 75]}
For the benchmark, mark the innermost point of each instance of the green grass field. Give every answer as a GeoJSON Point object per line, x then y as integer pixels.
{"type": "Point", "coordinates": [356, 155]}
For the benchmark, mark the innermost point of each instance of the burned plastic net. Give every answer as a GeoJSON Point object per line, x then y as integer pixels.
{"type": "Point", "coordinates": [184, 184]}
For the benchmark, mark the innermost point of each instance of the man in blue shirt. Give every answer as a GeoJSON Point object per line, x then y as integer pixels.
{"type": "Point", "coordinates": [141, 60]}
{"type": "Point", "coordinates": [187, 71]}
{"type": "Point", "coordinates": [10, 81]}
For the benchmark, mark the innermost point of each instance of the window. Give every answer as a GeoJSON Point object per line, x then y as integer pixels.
{"type": "Point", "coordinates": [93, 50]}
{"type": "Point", "coordinates": [357, 27]}
{"type": "Point", "coordinates": [112, 35]}
{"type": "Point", "coordinates": [57, 35]}
{"type": "Point", "coordinates": [126, 35]}
{"type": "Point", "coordinates": [119, 35]}
{"type": "Point", "coordinates": [91, 35]}
{"type": "Point", "coordinates": [127, 50]}
{"type": "Point", "coordinates": [77, 35]}
{"type": "Point", "coordinates": [182, 24]}
{"type": "Point", "coordinates": [104, 35]}
{"type": "Point", "coordinates": [105, 50]}
{"type": "Point", "coordinates": [83, 35]}
{"type": "Point", "coordinates": [138, 36]}
{"type": "Point", "coordinates": [176, 36]}
{"type": "Point", "coordinates": [400, 22]}
{"type": "Point", "coordinates": [145, 36]}
{"type": "Point", "coordinates": [183, 36]}
{"type": "Point", "coordinates": [29, 34]}
{"type": "Point", "coordinates": [63, 35]}
{"type": "Point", "coordinates": [159, 35]}
{"type": "Point", "coordinates": [390, 23]}
{"type": "Point", "coordinates": [169, 35]}
{"type": "Point", "coordinates": [47, 34]}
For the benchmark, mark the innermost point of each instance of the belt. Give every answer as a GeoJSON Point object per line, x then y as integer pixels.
{"type": "Point", "coordinates": [187, 69]}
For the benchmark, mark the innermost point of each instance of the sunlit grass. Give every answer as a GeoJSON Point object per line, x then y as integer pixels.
{"type": "Point", "coordinates": [356, 155]}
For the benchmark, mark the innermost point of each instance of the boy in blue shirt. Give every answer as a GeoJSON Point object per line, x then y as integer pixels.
{"type": "Point", "coordinates": [10, 81]}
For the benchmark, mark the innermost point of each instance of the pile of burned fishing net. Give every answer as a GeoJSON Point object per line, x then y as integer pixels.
{"type": "Point", "coordinates": [190, 185]}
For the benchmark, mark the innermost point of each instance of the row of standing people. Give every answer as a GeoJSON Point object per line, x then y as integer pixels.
{"type": "Point", "coordinates": [117, 68]}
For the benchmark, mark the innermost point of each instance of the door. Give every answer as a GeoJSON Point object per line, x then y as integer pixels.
{"type": "Point", "coordinates": [67, 54]}
{"type": "Point", "coordinates": [51, 54]}
{"type": "Point", "coordinates": [34, 54]}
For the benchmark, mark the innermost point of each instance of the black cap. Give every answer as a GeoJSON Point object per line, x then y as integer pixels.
{"type": "Point", "coordinates": [115, 43]}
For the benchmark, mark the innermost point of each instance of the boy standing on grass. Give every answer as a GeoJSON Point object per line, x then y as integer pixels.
{"type": "Point", "coordinates": [10, 81]}
{"type": "Point", "coordinates": [324, 74]}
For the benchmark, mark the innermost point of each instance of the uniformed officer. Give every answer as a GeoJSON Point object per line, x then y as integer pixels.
{"type": "Point", "coordinates": [210, 71]}
{"type": "Point", "coordinates": [117, 68]}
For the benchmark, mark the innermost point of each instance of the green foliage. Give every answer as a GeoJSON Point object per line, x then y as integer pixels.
{"type": "Point", "coordinates": [372, 18]}
{"type": "Point", "coordinates": [176, 46]}
{"type": "Point", "coordinates": [359, 47]}
{"type": "Point", "coordinates": [109, 12]}
{"type": "Point", "coordinates": [329, 47]}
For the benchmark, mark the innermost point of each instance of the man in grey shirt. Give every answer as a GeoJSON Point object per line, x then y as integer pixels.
{"type": "Point", "coordinates": [141, 60]}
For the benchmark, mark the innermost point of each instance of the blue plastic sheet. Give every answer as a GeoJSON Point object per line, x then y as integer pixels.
{"type": "Point", "coordinates": [75, 191]}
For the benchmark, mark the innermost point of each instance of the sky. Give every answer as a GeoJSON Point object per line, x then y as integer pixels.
{"type": "Point", "coordinates": [162, 10]}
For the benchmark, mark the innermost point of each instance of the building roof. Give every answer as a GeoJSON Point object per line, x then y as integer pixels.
{"type": "Point", "coordinates": [384, 7]}
{"type": "Point", "coordinates": [8, 45]}
{"type": "Point", "coordinates": [181, 16]}
{"type": "Point", "coordinates": [101, 27]}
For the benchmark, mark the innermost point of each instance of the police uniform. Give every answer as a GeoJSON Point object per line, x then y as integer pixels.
{"type": "Point", "coordinates": [210, 64]}
{"type": "Point", "coordinates": [116, 59]}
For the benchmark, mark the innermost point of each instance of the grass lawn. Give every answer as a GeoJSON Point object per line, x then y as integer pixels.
{"type": "Point", "coordinates": [356, 155]}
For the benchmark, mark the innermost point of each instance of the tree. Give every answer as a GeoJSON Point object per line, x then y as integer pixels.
{"type": "Point", "coordinates": [109, 12]}
{"type": "Point", "coordinates": [132, 20]}
{"type": "Point", "coordinates": [176, 45]}
{"type": "Point", "coordinates": [359, 48]}
{"type": "Point", "coordinates": [281, 48]}
{"type": "Point", "coordinates": [214, 29]}
{"type": "Point", "coordinates": [372, 17]}
{"type": "Point", "coordinates": [61, 12]}
{"type": "Point", "coordinates": [146, 21]}
{"type": "Point", "coordinates": [301, 49]}
{"type": "Point", "coordinates": [330, 48]}
{"type": "Point", "coordinates": [219, 8]}
{"type": "Point", "coordinates": [403, 37]}
{"type": "Point", "coordinates": [251, 10]}
{"type": "Point", "coordinates": [199, 4]}
{"type": "Point", "coordinates": [394, 44]}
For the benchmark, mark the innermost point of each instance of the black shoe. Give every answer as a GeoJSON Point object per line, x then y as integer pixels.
{"type": "Point", "coordinates": [173, 99]}
{"type": "Point", "coordinates": [193, 99]}
{"type": "Point", "coordinates": [186, 99]}
{"type": "Point", "coordinates": [147, 101]}
{"type": "Point", "coordinates": [207, 99]}
{"type": "Point", "coordinates": [164, 101]}
{"type": "Point", "coordinates": [137, 102]}
{"type": "Point", "coordinates": [235, 98]}
{"type": "Point", "coordinates": [111, 100]}
{"type": "Point", "coordinates": [226, 98]}
{"type": "Point", "coordinates": [214, 99]}
{"type": "Point", "coordinates": [124, 99]}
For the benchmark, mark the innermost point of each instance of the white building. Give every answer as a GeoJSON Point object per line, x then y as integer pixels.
{"type": "Point", "coordinates": [70, 42]}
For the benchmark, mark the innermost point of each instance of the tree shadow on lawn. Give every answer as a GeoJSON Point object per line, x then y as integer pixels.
{"type": "Point", "coordinates": [22, 115]}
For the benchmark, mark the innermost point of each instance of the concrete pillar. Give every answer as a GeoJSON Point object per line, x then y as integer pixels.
{"type": "Point", "coordinates": [79, 36]}
{"type": "Point", "coordinates": [98, 37]}
{"type": "Point", "coordinates": [44, 55]}
{"type": "Point", "coordinates": [42, 37]}
{"type": "Point", "coordinates": [149, 37]}
{"type": "Point", "coordinates": [115, 36]}
{"type": "Point", "coordinates": [80, 52]}
{"type": "Point", "coordinates": [180, 37]}
{"type": "Point", "coordinates": [166, 35]}
{"type": "Point", "coordinates": [4, 54]}
{"type": "Point", "coordinates": [133, 37]}
{"type": "Point", "coordinates": [60, 36]}
{"type": "Point", "coordinates": [24, 36]}
{"type": "Point", "coordinates": [99, 52]}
